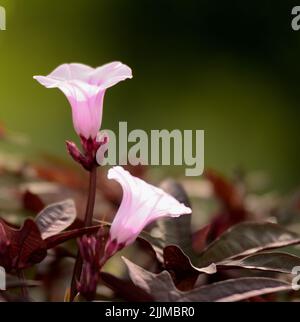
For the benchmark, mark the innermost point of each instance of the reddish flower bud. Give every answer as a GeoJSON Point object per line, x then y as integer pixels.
{"type": "Point", "coordinates": [89, 158]}
{"type": "Point", "coordinates": [76, 154]}
{"type": "Point", "coordinates": [91, 250]}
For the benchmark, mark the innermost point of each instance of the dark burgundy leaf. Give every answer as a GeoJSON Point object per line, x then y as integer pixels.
{"type": "Point", "coordinates": [155, 253]}
{"type": "Point", "coordinates": [162, 288]}
{"type": "Point", "coordinates": [200, 237]}
{"type": "Point", "coordinates": [32, 202]}
{"type": "Point", "coordinates": [245, 239]}
{"type": "Point", "coordinates": [173, 231]}
{"type": "Point", "coordinates": [238, 289]}
{"type": "Point", "coordinates": [30, 248]}
{"type": "Point", "coordinates": [276, 262]}
{"type": "Point", "coordinates": [182, 270]}
{"type": "Point", "coordinates": [25, 246]}
{"type": "Point", "coordinates": [125, 289]}
{"type": "Point", "coordinates": [233, 210]}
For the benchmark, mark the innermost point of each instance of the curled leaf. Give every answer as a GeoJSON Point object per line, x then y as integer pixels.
{"type": "Point", "coordinates": [181, 268]}
{"type": "Point", "coordinates": [163, 289]}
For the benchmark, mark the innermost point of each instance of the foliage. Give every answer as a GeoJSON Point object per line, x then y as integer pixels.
{"type": "Point", "coordinates": [233, 256]}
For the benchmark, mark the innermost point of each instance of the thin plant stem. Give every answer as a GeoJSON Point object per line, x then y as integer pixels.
{"type": "Point", "coordinates": [24, 290]}
{"type": "Point", "coordinates": [88, 219]}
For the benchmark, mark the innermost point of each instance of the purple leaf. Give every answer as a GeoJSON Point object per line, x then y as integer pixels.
{"type": "Point", "coordinates": [266, 261]}
{"type": "Point", "coordinates": [56, 218]}
{"type": "Point", "coordinates": [245, 239]}
{"type": "Point", "coordinates": [163, 289]}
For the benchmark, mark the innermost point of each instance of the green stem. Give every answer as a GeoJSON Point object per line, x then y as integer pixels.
{"type": "Point", "coordinates": [87, 222]}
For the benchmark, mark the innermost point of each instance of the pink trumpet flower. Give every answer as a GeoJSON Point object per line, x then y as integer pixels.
{"type": "Point", "coordinates": [84, 88]}
{"type": "Point", "coordinates": [141, 204]}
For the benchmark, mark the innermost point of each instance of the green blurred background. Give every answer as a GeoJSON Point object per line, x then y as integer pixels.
{"type": "Point", "coordinates": [228, 67]}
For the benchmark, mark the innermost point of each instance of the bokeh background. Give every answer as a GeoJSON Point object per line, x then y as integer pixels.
{"type": "Point", "coordinates": [230, 68]}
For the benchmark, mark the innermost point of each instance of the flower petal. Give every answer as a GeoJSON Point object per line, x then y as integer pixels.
{"type": "Point", "coordinates": [142, 203]}
{"type": "Point", "coordinates": [110, 74]}
{"type": "Point", "coordinates": [71, 72]}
